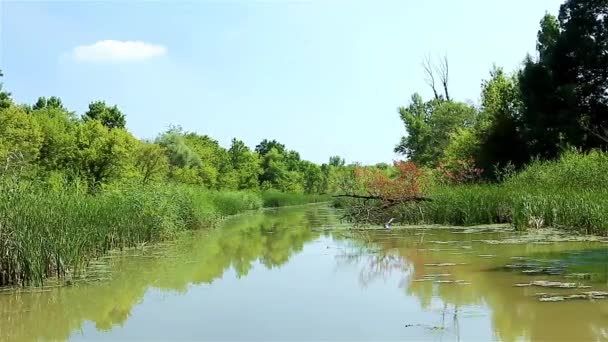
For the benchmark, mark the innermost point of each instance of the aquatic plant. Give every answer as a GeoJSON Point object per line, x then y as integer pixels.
{"type": "Point", "coordinates": [56, 233]}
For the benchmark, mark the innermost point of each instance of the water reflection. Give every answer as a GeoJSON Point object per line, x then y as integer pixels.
{"type": "Point", "coordinates": [411, 284]}
{"type": "Point", "coordinates": [479, 279]}
{"type": "Point", "coordinates": [270, 237]}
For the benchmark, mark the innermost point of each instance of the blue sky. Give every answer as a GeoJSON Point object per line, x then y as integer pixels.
{"type": "Point", "coordinates": [322, 77]}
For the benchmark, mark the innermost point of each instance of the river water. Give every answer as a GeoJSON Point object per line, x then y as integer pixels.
{"type": "Point", "coordinates": [300, 274]}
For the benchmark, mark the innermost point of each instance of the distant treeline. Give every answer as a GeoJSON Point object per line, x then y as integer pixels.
{"type": "Point", "coordinates": [48, 143]}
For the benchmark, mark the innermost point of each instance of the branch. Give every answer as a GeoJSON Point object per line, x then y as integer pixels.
{"type": "Point", "coordinates": [388, 201]}
{"type": "Point", "coordinates": [596, 132]}
{"type": "Point", "coordinates": [443, 70]}
{"type": "Point", "coordinates": [427, 64]}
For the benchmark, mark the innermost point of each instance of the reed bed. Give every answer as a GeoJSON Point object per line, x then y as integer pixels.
{"type": "Point", "coordinates": [569, 193]}
{"type": "Point", "coordinates": [273, 198]}
{"type": "Point", "coordinates": [57, 233]}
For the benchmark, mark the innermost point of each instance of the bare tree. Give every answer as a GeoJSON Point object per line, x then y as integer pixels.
{"type": "Point", "coordinates": [442, 71]}
{"type": "Point", "coordinates": [427, 64]}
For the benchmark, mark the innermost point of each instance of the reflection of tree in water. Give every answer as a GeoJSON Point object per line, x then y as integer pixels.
{"type": "Point", "coordinates": [516, 314]}
{"type": "Point", "coordinates": [270, 237]}
{"type": "Point", "coordinates": [381, 264]}
{"type": "Point", "coordinates": [374, 266]}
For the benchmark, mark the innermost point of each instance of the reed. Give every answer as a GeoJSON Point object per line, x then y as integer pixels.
{"type": "Point", "coordinates": [568, 193]}
{"type": "Point", "coordinates": [273, 198]}
{"type": "Point", "coordinates": [57, 233]}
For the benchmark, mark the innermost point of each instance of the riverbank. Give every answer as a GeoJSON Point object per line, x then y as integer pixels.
{"type": "Point", "coordinates": [569, 193]}
{"type": "Point", "coordinates": [57, 233]}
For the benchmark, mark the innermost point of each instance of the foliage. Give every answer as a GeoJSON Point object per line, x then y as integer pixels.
{"type": "Point", "coordinates": [111, 117]}
{"type": "Point", "coordinates": [20, 136]}
{"type": "Point", "coordinates": [103, 154]}
{"type": "Point", "coordinates": [567, 193]}
{"type": "Point", "coordinates": [564, 90]}
{"type": "Point", "coordinates": [56, 233]}
{"type": "Point", "coordinates": [152, 162]}
{"type": "Point", "coordinates": [460, 171]}
{"type": "Point", "coordinates": [5, 97]}
{"type": "Point", "coordinates": [179, 153]}
{"type": "Point", "coordinates": [274, 198]}
{"type": "Point", "coordinates": [336, 161]}
{"type": "Point", "coordinates": [50, 103]}
{"type": "Point", "coordinates": [429, 126]}
{"type": "Point", "coordinates": [407, 182]}
{"type": "Point", "coordinates": [246, 163]}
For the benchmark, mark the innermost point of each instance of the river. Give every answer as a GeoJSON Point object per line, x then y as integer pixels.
{"type": "Point", "coordinates": [300, 274]}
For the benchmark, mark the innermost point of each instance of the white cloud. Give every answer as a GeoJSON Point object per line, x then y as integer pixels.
{"type": "Point", "coordinates": [117, 51]}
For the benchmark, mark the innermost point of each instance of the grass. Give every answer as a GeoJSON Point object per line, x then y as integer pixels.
{"type": "Point", "coordinates": [569, 193]}
{"type": "Point", "coordinates": [56, 233]}
{"type": "Point", "coordinates": [273, 198]}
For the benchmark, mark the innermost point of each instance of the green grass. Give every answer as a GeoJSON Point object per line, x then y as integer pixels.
{"type": "Point", "coordinates": [569, 193]}
{"type": "Point", "coordinates": [273, 198]}
{"type": "Point", "coordinates": [46, 233]}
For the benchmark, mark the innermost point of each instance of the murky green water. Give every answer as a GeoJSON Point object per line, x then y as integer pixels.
{"type": "Point", "coordinates": [297, 274]}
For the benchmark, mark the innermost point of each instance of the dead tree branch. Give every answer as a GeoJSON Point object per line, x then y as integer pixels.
{"type": "Point", "coordinates": [444, 71]}
{"type": "Point", "coordinates": [427, 64]}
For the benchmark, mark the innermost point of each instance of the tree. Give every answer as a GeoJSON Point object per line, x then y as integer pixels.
{"type": "Point", "coordinates": [246, 163]}
{"type": "Point", "coordinates": [336, 161]}
{"type": "Point", "coordinates": [5, 97]}
{"type": "Point", "coordinates": [103, 154]}
{"type": "Point", "coordinates": [151, 161]}
{"type": "Point", "coordinates": [442, 70]}
{"type": "Point", "coordinates": [564, 90]}
{"type": "Point", "coordinates": [429, 126]}
{"type": "Point", "coordinates": [180, 155]}
{"type": "Point", "coordinates": [59, 146]}
{"type": "Point", "coordinates": [314, 180]}
{"type": "Point", "coordinates": [370, 191]}
{"type": "Point", "coordinates": [276, 174]}
{"type": "Point", "coordinates": [110, 117]}
{"type": "Point", "coordinates": [20, 137]}
{"type": "Point", "coordinates": [500, 124]}
{"type": "Point", "coordinates": [266, 145]}
{"type": "Point", "coordinates": [51, 102]}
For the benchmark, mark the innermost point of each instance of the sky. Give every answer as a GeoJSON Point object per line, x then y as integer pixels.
{"type": "Point", "coordinates": [322, 77]}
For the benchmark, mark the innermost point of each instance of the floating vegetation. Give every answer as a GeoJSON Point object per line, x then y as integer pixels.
{"type": "Point", "coordinates": [553, 284]}
{"type": "Point", "coordinates": [447, 281]}
{"type": "Point", "coordinates": [433, 276]}
{"type": "Point", "coordinates": [591, 295]}
{"type": "Point", "coordinates": [534, 269]}
{"type": "Point", "coordinates": [445, 264]}
{"type": "Point", "coordinates": [585, 276]}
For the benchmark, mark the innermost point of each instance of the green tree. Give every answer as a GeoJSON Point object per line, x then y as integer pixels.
{"type": "Point", "coordinates": [59, 145]}
{"type": "Point", "coordinates": [499, 125]}
{"type": "Point", "coordinates": [110, 117]}
{"type": "Point", "coordinates": [564, 89]}
{"type": "Point", "coordinates": [5, 97]}
{"type": "Point", "coordinates": [151, 161]}
{"type": "Point", "coordinates": [179, 153]}
{"type": "Point", "coordinates": [51, 102]}
{"type": "Point", "coordinates": [246, 163]}
{"type": "Point", "coordinates": [276, 174]}
{"type": "Point", "coordinates": [20, 137]}
{"type": "Point", "coordinates": [103, 154]}
{"type": "Point", "coordinates": [429, 126]}
{"type": "Point", "coordinates": [336, 161]}
{"type": "Point", "coordinates": [313, 177]}
{"type": "Point", "coordinates": [266, 145]}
